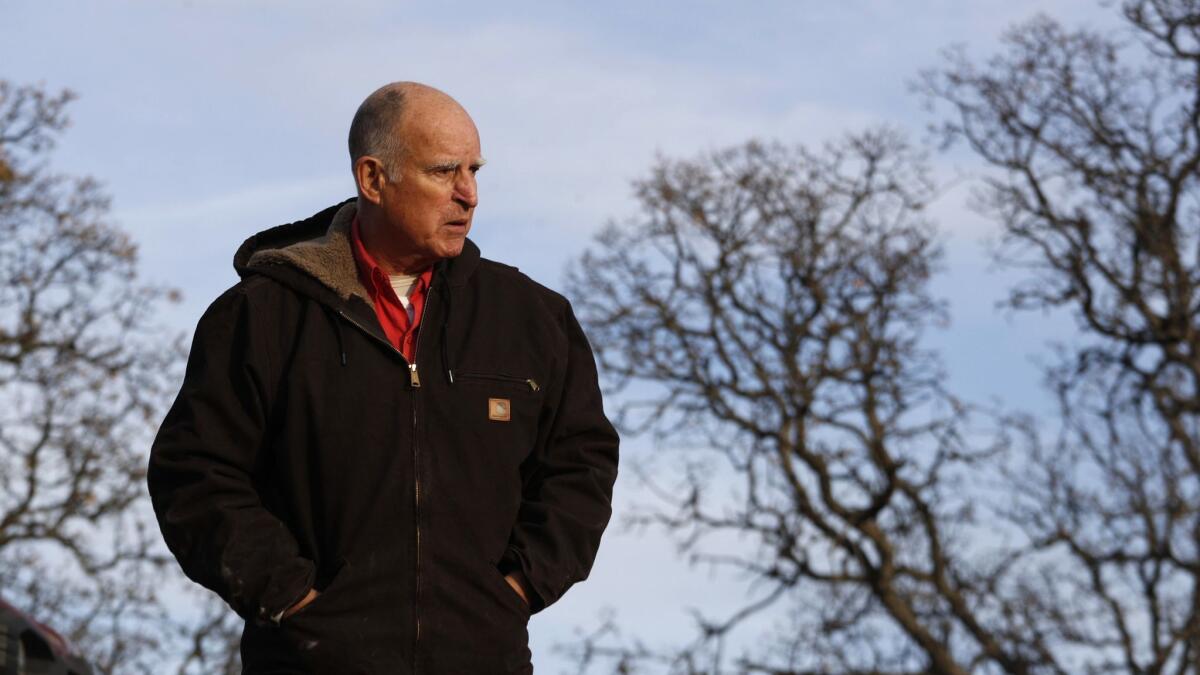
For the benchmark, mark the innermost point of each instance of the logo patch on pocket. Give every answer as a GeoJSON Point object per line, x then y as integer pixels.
{"type": "Point", "coordinates": [499, 409]}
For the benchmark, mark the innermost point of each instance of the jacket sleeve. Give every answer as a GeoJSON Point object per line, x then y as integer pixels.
{"type": "Point", "coordinates": [201, 466]}
{"type": "Point", "coordinates": [568, 484]}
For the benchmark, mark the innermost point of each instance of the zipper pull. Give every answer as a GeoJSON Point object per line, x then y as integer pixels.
{"type": "Point", "coordinates": [414, 379]}
{"type": "Point", "coordinates": [533, 385]}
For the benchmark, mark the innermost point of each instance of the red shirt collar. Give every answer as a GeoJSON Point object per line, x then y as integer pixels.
{"type": "Point", "coordinates": [392, 315]}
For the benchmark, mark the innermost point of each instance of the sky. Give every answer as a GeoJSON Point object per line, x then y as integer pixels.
{"type": "Point", "coordinates": [208, 120]}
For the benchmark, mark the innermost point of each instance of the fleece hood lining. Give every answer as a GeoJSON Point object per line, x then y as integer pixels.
{"type": "Point", "coordinates": [329, 259]}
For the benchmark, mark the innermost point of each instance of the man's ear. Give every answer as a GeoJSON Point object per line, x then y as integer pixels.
{"type": "Point", "coordinates": [370, 176]}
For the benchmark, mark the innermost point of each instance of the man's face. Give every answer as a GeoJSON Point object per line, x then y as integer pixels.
{"type": "Point", "coordinates": [430, 199]}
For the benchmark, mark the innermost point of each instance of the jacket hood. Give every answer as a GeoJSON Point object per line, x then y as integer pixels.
{"type": "Point", "coordinates": [319, 248]}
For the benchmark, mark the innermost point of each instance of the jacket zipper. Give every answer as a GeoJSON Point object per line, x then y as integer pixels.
{"type": "Point", "coordinates": [414, 378]}
{"type": "Point", "coordinates": [414, 383]}
{"type": "Point", "coordinates": [529, 382]}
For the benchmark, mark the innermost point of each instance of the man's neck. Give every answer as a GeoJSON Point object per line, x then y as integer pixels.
{"type": "Point", "coordinates": [377, 242]}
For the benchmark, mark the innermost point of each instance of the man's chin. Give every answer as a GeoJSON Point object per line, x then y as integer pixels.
{"type": "Point", "coordinates": [452, 243]}
{"type": "Point", "coordinates": [452, 249]}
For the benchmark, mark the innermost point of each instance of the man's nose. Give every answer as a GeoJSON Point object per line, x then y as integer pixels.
{"type": "Point", "coordinates": [466, 191]}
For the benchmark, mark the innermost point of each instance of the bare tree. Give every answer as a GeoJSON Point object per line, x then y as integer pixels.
{"type": "Point", "coordinates": [766, 309]}
{"type": "Point", "coordinates": [84, 372]}
{"type": "Point", "coordinates": [1095, 144]}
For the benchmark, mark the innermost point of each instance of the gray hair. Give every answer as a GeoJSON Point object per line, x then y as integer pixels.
{"type": "Point", "coordinates": [373, 130]}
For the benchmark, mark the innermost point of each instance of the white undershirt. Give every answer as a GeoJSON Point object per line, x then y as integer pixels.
{"type": "Point", "coordinates": [404, 284]}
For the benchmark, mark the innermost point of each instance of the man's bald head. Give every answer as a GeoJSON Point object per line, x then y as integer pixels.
{"type": "Point", "coordinates": [375, 130]}
{"type": "Point", "coordinates": [415, 152]}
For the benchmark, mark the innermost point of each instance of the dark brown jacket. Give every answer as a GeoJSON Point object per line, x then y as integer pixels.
{"type": "Point", "coordinates": [303, 450]}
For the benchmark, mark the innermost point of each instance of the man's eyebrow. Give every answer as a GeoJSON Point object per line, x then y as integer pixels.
{"type": "Point", "coordinates": [450, 165]}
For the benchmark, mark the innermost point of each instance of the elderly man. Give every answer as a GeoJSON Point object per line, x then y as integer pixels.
{"type": "Point", "coordinates": [387, 451]}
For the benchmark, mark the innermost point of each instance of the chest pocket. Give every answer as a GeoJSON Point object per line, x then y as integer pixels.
{"type": "Point", "coordinates": [475, 378]}
{"type": "Point", "coordinates": [501, 409]}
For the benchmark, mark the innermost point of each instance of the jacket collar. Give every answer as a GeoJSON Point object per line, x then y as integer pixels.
{"type": "Point", "coordinates": [319, 247]}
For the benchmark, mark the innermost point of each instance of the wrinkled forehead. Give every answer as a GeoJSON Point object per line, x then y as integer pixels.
{"type": "Point", "coordinates": [441, 127]}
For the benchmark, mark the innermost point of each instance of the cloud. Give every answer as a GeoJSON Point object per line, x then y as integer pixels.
{"type": "Point", "coordinates": [567, 121]}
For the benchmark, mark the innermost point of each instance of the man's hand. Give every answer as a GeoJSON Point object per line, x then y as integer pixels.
{"type": "Point", "coordinates": [312, 595]}
{"type": "Point", "coordinates": [518, 581]}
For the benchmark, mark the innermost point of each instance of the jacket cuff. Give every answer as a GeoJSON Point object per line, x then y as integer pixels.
{"type": "Point", "coordinates": [283, 591]}
{"type": "Point", "coordinates": [513, 561]}
{"type": "Point", "coordinates": [278, 616]}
